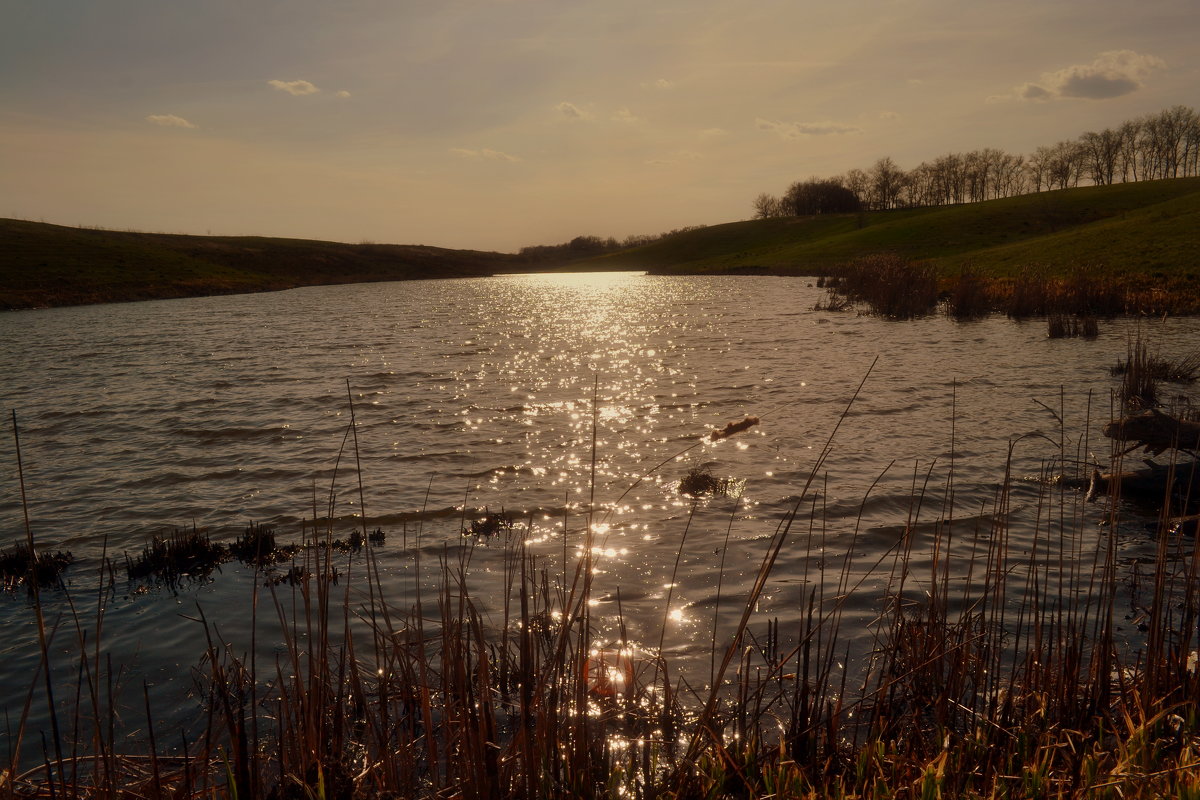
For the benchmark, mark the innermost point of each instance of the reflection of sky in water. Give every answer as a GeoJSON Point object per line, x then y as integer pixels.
{"type": "Point", "coordinates": [479, 394]}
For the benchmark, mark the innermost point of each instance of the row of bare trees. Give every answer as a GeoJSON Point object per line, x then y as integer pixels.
{"type": "Point", "coordinates": [1163, 145]}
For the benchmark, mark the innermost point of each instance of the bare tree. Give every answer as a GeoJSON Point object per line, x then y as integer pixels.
{"type": "Point", "coordinates": [857, 181]}
{"type": "Point", "coordinates": [1065, 166]}
{"type": "Point", "coordinates": [766, 206]}
{"type": "Point", "coordinates": [1101, 153]}
{"type": "Point", "coordinates": [886, 182]}
{"type": "Point", "coordinates": [1131, 134]}
{"type": "Point", "coordinates": [1163, 145]}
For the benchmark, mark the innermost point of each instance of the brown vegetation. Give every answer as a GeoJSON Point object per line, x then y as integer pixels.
{"type": "Point", "coordinates": [899, 288]}
{"type": "Point", "coordinates": [892, 286]}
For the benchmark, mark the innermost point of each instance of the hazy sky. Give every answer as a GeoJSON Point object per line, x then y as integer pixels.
{"type": "Point", "coordinates": [494, 124]}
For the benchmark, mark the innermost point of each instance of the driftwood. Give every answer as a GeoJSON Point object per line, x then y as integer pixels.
{"type": "Point", "coordinates": [1152, 485]}
{"type": "Point", "coordinates": [734, 427]}
{"type": "Point", "coordinates": [1185, 526]}
{"type": "Point", "coordinates": [1155, 431]}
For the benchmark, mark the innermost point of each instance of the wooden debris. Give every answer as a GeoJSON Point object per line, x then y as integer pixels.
{"type": "Point", "coordinates": [1153, 485]}
{"type": "Point", "coordinates": [1185, 526]}
{"type": "Point", "coordinates": [1155, 431]}
{"type": "Point", "coordinates": [734, 427]}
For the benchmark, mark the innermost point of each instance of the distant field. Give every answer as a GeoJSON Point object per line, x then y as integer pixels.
{"type": "Point", "coordinates": [1150, 228]}
{"type": "Point", "coordinates": [1148, 231]}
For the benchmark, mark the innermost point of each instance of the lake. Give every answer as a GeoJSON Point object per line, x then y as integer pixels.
{"type": "Point", "coordinates": [539, 396]}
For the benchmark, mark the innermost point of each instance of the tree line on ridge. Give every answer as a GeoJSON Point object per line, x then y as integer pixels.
{"type": "Point", "coordinates": [1157, 146]}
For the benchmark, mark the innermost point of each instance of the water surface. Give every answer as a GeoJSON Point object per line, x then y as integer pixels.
{"type": "Point", "coordinates": [539, 395]}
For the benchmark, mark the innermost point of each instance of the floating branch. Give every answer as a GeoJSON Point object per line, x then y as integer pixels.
{"type": "Point", "coordinates": [734, 427]}
{"type": "Point", "coordinates": [1155, 431]}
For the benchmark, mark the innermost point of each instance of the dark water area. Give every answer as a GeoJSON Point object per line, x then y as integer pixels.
{"type": "Point", "coordinates": [481, 395]}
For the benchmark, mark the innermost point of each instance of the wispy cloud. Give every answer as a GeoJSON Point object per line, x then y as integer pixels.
{"type": "Point", "coordinates": [625, 115]}
{"type": "Point", "coordinates": [890, 116]}
{"type": "Point", "coordinates": [1112, 74]}
{"type": "Point", "coordinates": [486, 154]}
{"type": "Point", "coordinates": [169, 121]}
{"type": "Point", "coordinates": [341, 93]}
{"type": "Point", "coordinates": [294, 87]}
{"type": "Point", "coordinates": [712, 134]}
{"type": "Point", "coordinates": [662, 84]}
{"type": "Point", "coordinates": [572, 111]}
{"type": "Point", "coordinates": [795, 130]}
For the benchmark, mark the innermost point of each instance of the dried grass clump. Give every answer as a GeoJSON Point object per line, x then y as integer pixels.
{"type": "Point", "coordinates": [257, 546]}
{"type": "Point", "coordinates": [891, 285]}
{"type": "Point", "coordinates": [491, 525]}
{"type": "Point", "coordinates": [1139, 388]}
{"type": "Point", "coordinates": [1089, 294]}
{"type": "Point", "coordinates": [969, 297]}
{"type": "Point", "coordinates": [1185, 369]}
{"type": "Point", "coordinates": [832, 301]}
{"type": "Point", "coordinates": [1028, 295]}
{"type": "Point", "coordinates": [183, 554]}
{"type": "Point", "coordinates": [1142, 371]}
{"type": "Point", "coordinates": [21, 566]}
{"type": "Point", "coordinates": [1065, 326]}
{"type": "Point", "coordinates": [699, 482]}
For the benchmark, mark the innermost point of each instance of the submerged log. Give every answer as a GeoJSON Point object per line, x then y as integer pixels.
{"type": "Point", "coordinates": [1155, 431]}
{"type": "Point", "coordinates": [1185, 526]}
{"type": "Point", "coordinates": [1154, 485]}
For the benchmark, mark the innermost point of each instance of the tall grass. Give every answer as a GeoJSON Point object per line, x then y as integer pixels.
{"type": "Point", "coordinates": [994, 670]}
{"type": "Point", "coordinates": [895, 287]}
{"type": "Point", "coordinates": [891, 285]}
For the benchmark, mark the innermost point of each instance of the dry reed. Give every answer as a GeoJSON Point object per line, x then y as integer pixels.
{"type": "Point", "coordinates": [995, 671]}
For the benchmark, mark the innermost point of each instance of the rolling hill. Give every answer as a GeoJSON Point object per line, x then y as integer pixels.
{"type": "Point", "coordinates": [1149, 230]}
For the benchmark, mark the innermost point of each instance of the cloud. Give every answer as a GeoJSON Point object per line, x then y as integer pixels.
{"type": "Point", "coordinates": [891, 116]}
{"type": "Point", "coordinates": [711, 134]}
{"type": "Point", "coordinates": [625, 115]}
{"type": "Point", "coordinates": [662, 84]}
{"type": "Point", "coordinates": [794, 130]}
{"type": "Point", "coordinates": [169, 121]}
{"type": "Point", "coordinates": [486, 154]}
{"type": "Point", "coordinates": [1112, 74]}
{"type": "Point", "coordinates": [294, 87]}
{"type": "Point", "coordinates": [572, 111]}
{"type": "Point", "coordinates": [341, 93]}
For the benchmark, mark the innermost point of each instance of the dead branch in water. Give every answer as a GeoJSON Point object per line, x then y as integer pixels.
{"type": "Point", "coordinates": [734, 427]}
{"type": "Point", "coordinates": [1155, 431]}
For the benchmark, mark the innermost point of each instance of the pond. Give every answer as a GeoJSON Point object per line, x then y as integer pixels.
{"type": "Point", "coordinates": [547, 397]}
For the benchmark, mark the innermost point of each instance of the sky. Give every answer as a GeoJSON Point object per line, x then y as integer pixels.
{"type": "Point", "coordinates": [495, 124]}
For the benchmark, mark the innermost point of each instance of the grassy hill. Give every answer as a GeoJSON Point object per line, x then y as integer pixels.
{"type": "Point", "coordinates": [1150, 228]}
{"type": "Point", "coordinates": [43, 264]}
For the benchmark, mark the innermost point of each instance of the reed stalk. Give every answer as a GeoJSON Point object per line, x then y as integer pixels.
{"type": "Point", "coordinates": [983, 674]}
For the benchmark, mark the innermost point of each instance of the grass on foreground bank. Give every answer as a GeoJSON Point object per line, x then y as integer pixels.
{"type": "Point", "coordinates": [1146, 228]}
{"type": "Point", "coordinates": [998, 677]}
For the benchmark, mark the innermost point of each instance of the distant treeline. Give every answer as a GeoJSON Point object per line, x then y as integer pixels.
{"type": "Point", "coordinates": [1163, 145]}
{"type": "Point", "coordinates": [587, 246]}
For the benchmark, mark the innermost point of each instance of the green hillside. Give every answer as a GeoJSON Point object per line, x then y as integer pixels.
{"type": "Point", "coordinates": [43, 264]}
{"type": "Point", "coordinates": [1150, 227]}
